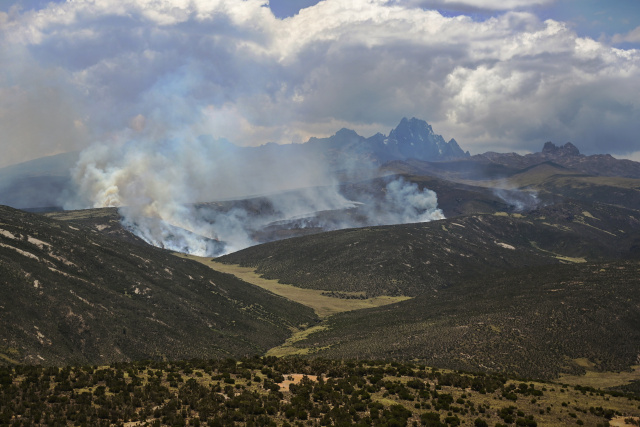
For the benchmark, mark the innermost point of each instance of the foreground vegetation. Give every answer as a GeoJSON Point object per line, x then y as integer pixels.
{"type": "Point", "coordinates": [283, 391]}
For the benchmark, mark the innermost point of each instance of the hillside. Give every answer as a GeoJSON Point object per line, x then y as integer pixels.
{"type": "Point", "coordinates": [531, 294]}
{"type": "Point", "coordinates": [534, 322]}
{"type": "Point", "coordinates": [454, 198]}
{"type": "Point", "coordinates": [553, 172]}
{"type": "Point", "coordinates": [522, 277]}
{"type": "Point", "coordinates": [411, 259]}
{"type": "Point", "coordinates": [72, 294]}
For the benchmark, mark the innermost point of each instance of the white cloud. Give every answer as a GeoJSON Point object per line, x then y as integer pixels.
{"type": "Point", "coordinates": [632, 36]}
{"type": "Point", "coordinates": [230, 68]}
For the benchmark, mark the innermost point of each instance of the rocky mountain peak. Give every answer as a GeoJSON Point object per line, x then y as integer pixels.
{"type": "Point", "coordinates": [347, 133]}
{"type": "Point", "coordinates": [414, 139]}
{"type": "Point", "coordinates": [456, 147]}
{"type": "Point", "coordinates": [411, 130]}
{"type": "Point", "coordinates": [567, 149]}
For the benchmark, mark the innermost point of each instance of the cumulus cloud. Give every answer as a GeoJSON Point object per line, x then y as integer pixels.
{"type": "Point", "coordinates": [231, 69]}
{"type": "Point", "coordinates": [632, 36]}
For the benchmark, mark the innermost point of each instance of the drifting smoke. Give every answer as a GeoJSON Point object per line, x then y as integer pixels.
{"type": "Point", "coordinates": [167, 191]}
{"type": "Point", "coordinates": [519, 200]}
{"type": "Point", "coordinates": [405, 203]}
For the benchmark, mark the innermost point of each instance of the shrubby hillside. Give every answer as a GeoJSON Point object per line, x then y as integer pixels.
{"type": "Point", "coordinates": [73, 294]}
{"type": "Point", "coordinates": [270, 391]}
{"type": "Point", "coordinates": [413, 259]}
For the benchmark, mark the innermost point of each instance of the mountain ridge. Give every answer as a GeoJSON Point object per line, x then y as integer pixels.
{"type": "Point", "coordinates": [569, 156]}
{"type": "Point", "coordinates": [47, 182]}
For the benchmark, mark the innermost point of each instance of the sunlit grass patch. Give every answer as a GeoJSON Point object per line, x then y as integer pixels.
{"type": "Point", "coordinates": [288, 348]}
{"type": "Point", "coordinates": [602, 379]}
{"type": "Point", "coordinates": [559, 256]}
{"type": "Point", "coordinates": [323, 305]}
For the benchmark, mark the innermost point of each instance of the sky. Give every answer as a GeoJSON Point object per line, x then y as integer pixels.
{"type": "Point", "coordinates": [499, 75]}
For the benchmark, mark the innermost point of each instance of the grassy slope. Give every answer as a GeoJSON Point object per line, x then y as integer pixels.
{"type": "Point", "coordinates": [554, 179]}
{"type": "Point", "coordinates": [550, 178]}
{"type": "Point", "coordinates": [72, 294]}
{"type": "Point", "coordinates": [485, 321]}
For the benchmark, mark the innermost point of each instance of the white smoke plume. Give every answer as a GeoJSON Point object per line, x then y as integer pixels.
{"type": "Point", "coordinates": [405, 203]}
{"type": "Point", "coordinates": [206, 197]}
{"type": "Point", "coordinates": [518, 200]}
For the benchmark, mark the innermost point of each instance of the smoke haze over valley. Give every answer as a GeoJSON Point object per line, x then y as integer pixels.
{"type": "Point", "coordinates": [165, 188]}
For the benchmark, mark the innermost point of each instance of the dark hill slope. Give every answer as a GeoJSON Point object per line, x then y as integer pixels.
{"type": "Point", "coordinates": [458, 169]}
{"type": "Point", "coordinates": [411, 259]}
{"type": "Point", "coordinates": [107, 221]}
{"type": "Point", "coordinates": [71, 294]}
{"type": "Point", "coordinates": [531, 322]}
{"type": "Point", "coordinates": [615, 191]}
{"type": "Point", "coordinates": [556, 170]}
{"type": "Point", "coordinates": [549, 178]}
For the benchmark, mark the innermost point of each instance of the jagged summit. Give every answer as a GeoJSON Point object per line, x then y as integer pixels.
{"type": "Point", "coordinates": [411, 130]}
{"type": "Point", "coordinates": [411, 139]}
{"type": "Point", "coordinates": [414, 139]}
{"type": "Point", "coordinates": [454, 146]}
{"type": "Point", "coordinates": [567, 149]}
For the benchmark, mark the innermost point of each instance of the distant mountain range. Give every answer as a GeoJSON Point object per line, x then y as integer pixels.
{"type": "Point", "coordinates": [568, 156]}
{"type": "Point", "coordinates": [411, 139]}
{"type": "Point", "coordinates": [44, 182]}
{"type": "Point", "coordinates": [37, 183]}
{"type": "Point", "coordinates": [412, 147]}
